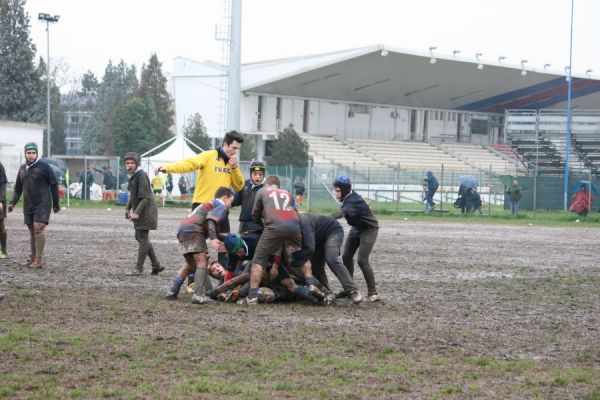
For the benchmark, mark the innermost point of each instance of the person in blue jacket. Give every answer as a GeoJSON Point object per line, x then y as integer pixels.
{"type": "Point", "coordinates": [430, 184]}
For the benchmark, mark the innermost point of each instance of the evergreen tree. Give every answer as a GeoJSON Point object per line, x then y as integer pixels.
{"type": "Point", "coordinates": [57, 113]}
{"type": "Point", "coordinates": [247, 152]}
{"type": "Point", "coordinates": [289, 149]}
{"type": "Point", "coordinates": [153, 85]}
{"type": "Point", "coordinates": [195, 131]}
{"type": "Point", "coordinates": [19, 79]}
{"type": "Point", "coordinates": [89, 83]}
{"type": "Point", "coordinates": [117, 88]}
{"type": "Point", "coordinates": [133, 127]}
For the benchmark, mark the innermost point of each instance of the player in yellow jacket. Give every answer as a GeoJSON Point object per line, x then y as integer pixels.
{"type": "Point", "coordinates": [216, 168]}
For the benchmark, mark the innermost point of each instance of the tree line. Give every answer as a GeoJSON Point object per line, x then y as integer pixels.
{"type": "Point", "coordinates": [127, 114]}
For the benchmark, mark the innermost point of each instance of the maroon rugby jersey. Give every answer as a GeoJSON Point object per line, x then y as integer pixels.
{"type": "Point", "coordinates": [277, 209]}
{"type": "Point", "coordinates": [195, 223]}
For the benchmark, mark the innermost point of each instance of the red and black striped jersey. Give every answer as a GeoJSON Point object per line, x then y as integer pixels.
{"type": "Point", "coordinates": [277, 209]}
{"type": "Point", "coordinates": [196, 222]}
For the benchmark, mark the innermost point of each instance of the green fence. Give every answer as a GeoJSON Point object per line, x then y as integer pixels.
{"type": "Point", "coordinates": [401, 189]}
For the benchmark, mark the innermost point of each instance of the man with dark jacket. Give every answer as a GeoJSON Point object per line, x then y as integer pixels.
{"type": "Point", "coordinates": [39, 187]}
{"type": "Point", "coordinates": [322, 238]}
{"type": "Point", "coordinates": [86, 179]}
{"type": "Point", "coordinates": [3, 234]}
{"type": "Point", "coordinates": [245, 198]}
{"type": "Point", "coordinates": [142, 211]}
{"type": "Point", "coordinates": [430, 184]}
{"type": "Point", "coordinates": [299, 189]}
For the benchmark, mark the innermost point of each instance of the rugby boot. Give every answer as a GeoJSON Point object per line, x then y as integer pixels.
{"type": "Point", "coordinates": [316, 293]}
{"type": "Point", "coordinates": [356, 297]}
{"type": "Point", "coordinates": [341, 295]}
{"type": "Point", "coordinates": [3, 255]}
{"type": "Point", "coordinates": [36, 263]}
{"type": "Point", "coordinates": [374, 298]}
{"type": "Point", "coordinates": [171, 295]}
{"type": "Point", "coordinates": [250, 301]}
{"type": "Point", "coordinates": [1, 296]}
{"type": "Point", "coordinates": [327, 300]}
{"type": "Point", "coordinates": [136, 271]}
{"type": "Point", "coordinates": [199, 299]}
{"type": "Point", "coordinates": [156, 268]}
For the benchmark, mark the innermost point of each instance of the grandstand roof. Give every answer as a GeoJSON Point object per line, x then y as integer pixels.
{"type": "Point", "coordinates": [408, 78]}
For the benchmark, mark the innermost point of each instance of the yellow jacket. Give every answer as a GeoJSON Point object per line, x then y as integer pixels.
{"type": "Point", "coordinates": [212, 174]}
{"type": "Point", "coordinates": [156, 182]}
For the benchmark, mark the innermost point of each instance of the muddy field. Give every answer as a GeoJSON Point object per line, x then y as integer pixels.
{"type": "Point", "coordinates": [470, 311]}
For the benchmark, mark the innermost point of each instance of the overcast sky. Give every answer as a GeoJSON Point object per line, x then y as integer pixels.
{"type": "Point", "coordinates": [90, 32]}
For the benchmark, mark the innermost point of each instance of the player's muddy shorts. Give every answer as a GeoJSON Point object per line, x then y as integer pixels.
{"type": "Point", "coordinates": [272, 243]}
{"type": "Point", "coordinates": [40, 215]}
{"type": "Point", "coordinates": [195, 244]}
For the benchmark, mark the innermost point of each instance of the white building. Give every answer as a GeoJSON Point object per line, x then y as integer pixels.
{"type": "Point", "coordinates": [376, 92]}
{"type": "Point", "coordinates": [13, 137]}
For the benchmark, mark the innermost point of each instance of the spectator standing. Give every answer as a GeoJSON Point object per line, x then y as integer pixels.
{"type": "Point", "coordinates": [299, 190]}
{"type": "Point", "coordinates": [38, 185]}
{"type": "Point", "coordinates": [169, 185]}
{"type": "Point", "coordinates": [514, 192]}
{"type": "Point", "coordinates": [142, 211]}
{"type": "Point", "coordinates": [108, 179]}
{"type": "Point", "coordinates": [86, 179]}
{"type": "Point", "coordinates": [157, 185]}
{"type": "Point", "coordinates": [183, 185]}
{"type": "Point", "coordinates": [431, 186]}
{"type": "Point", "coordinates": [3, 234]}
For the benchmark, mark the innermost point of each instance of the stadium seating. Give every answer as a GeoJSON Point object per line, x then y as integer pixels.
{"type": "Point", "coordinates": [411, 155]}
{"type": "Point", "coordinates": [418, 156]}
{"type": "Point", "coordinates": [327, 150]}
{"type": "Point", "coordinates": [481, 157]}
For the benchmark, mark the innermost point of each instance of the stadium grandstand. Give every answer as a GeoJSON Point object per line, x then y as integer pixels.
{"type": "Point", "coordinates": [380, 107]}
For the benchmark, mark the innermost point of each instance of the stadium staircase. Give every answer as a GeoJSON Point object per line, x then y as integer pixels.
{"type": "Point", "coordinates": [522, 126]}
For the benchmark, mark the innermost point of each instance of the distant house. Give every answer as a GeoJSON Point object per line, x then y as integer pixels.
{"type": "Point", "coordinates": [78, 110]}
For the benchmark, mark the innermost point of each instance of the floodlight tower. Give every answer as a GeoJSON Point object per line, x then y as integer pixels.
{"type": "Point", "coordinates": [234, 79]}
{"type": "Point", "coordinates": [48, 19]}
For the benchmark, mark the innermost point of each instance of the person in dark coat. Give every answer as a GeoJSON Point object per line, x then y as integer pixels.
{"type": "Point", "coordinates": [430, 185]}
{"type": "Point", "coordinates": [514, 192]}
{"type": "Point", "coordinates": [363, 233]}
{"type": "Point", "coordinates": [245, 198]}
{"type": "Point", "coordinates": [169, 185]}
{"type": "Point", "coordinates": [322, 239]}
{"type": "Point", "coordinates": [142, 211]}
{"type": "Point", "coordinates": [86, 179]}
{"type": "Point", "coordinates": [183, 185]}
{"type": "Point", "coordinates": [39, 187]}
{"type": "Point", "coordinates": [299, 190]}
{"type": "Point", "coordinates": [3, 234]}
